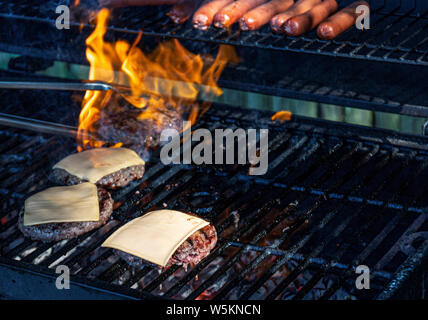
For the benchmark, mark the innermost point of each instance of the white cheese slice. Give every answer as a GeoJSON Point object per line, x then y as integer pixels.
{"type": "Point", "coordinates": [91, 165]}
{"type": "Point", "coordinates": [63, 204]}
{"type": "Point", "coordinates": [156, 235]}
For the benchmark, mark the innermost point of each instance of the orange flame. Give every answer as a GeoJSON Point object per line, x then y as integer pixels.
{"type": "Point", "coordinates": [170, 76]}
{"type": "Point", "coordinates": [282, 116]}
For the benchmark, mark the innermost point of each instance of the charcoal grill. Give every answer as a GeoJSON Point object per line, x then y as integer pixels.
{"type": "Point", "coordinates": [335, 196]}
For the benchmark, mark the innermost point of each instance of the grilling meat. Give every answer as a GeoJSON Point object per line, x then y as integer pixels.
{"type": "Point", "coordinates": [261, 15]}
{"type": "Point", "coordinates": [114, 180]}
{"type": "Point", "coordinates": [109, 168]}
{"type": "Point", "coordinates": [137, 134]}
{"type": "Point", "coordinates": [68, 230]}
{"type": "Point", "coordinates": [234, 11]}
{"type": "Point", "coordinates": [307, 21]}
{"type": "Point", "coordinates": [191, 251]}
{"type": "Point", "coordinates": [340, 21]}
{"type": "Point", "coordinates": [300, 7]}
{"type": "Point", "coordinates": [204, 16]}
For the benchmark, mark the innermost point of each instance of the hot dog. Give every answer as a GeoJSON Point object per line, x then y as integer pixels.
{"type": "Point", "coordinates": [234, 11]}
{"type": "Point", "coordinates": [299, 7]}
{"type": "Point", "coordinates": [183, 10]}
{"type": "Point", "coordinates": [261, 15]}
{"type": "Point", "coordinates": [340, 21]}
{"type": "Point", "coordinates": [125, 3]}
{"type": "Point", "coordinates": [305, 22]}
{"type": "Point", "coordinates": [204, 16]}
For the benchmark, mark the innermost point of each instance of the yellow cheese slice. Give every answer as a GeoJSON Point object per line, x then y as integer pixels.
{"type": "Point", "coordinates": [155, 236]}
{"type": "Point", "coordinates": [91, 165]}
{"type": "Point", "coordinates": [63, 204]}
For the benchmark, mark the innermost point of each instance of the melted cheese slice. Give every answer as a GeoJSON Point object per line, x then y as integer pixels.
{"type": "Point", "coordinates": [155, 236]}
{"type": "Point", "coordinates": [63, 204]}
{"type": "Point", "coordinates": [91, 165]}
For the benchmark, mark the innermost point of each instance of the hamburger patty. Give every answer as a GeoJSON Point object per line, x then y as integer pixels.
{"type": "Point", "coordinates": [67, 230]}
{"type": "Point", "coordinates": [114, 180]}
{"type": "Point", "coordinates": [136, 134]}
{"type": "Point", "coordinates": [191, 251]}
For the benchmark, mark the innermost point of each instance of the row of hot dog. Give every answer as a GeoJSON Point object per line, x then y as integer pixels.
{"type": "Point", "coordinates": [284, 16]}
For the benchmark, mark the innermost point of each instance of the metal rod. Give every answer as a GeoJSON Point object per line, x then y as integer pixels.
{"type": "Point", "coordinates": [121, 89]}
{"type": "Point", "coordinates": [40, 126]}
{"type": "Point", "coordinates": [47, 85]}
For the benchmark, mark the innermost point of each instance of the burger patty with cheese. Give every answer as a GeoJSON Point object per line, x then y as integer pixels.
{"type": "Point", "coordinates": [191, 251]}
{"type": "Point", "coordinates": [163, 238]}
{"type": "Point", "coordinates": [65, 212]}
{"type": "Point", "coordinates": [109, 168]}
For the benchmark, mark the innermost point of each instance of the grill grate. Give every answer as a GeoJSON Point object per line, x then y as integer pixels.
{"type": "Point", "coordinates": [398, 31]}
{"type": "Point", "coordinates": [329, 202]}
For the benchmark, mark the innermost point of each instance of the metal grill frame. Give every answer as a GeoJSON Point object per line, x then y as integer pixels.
{"type": "Point", "coordinates": [358, 137]}
{"type": "Point", "coordinates": [379, 139]}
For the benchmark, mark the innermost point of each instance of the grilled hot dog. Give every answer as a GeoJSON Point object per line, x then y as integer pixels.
{"type": "Point", "coordinates": [305, 22]}
{"type": "Point", "coordinates": [204, 16]}
{"type": "Point", "coordinates": [299, 7]}
{"type": "Point", "coordinates": [262, 14]}
{"type": "Point", "coordinates": [340, 21]}
{"type": "Point", "coordinates": [234, 11]}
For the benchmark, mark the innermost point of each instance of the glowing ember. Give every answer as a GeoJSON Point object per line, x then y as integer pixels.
{"type": "Point", "coordinates": [165, 84]}
{"type": "Point", "coordinates": [282, 116]}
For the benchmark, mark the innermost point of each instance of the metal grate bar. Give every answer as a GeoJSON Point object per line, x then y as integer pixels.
{"type": "Point", "coordinates": [79, 254]}
{"type": "Point", "coordinates": [257, 238]}
{"type": "Point", "coordinates": [111, 273]}
{"type": "Point", "coordinates": [412, 228]}
{"type": "Point", "coordinates": [71, 244]}
{"type": "Point", "coordinates": [378, 166]}
{"type": "Point", "coordinates": [319, 227]}
{"type": "Point", "coordinates": [91, 266]}
{"type": "Point", "coordinates": [341, 228]}
{"type": "Point", "coordinates": [236, 256]}
{"type": "Point", "coordinates": [387, 229]}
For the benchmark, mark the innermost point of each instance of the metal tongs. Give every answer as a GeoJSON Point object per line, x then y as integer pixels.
{"type": "Point", "coordinates": [67, 86]}
{"type": "Point", "coordinates": [50, 127]}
